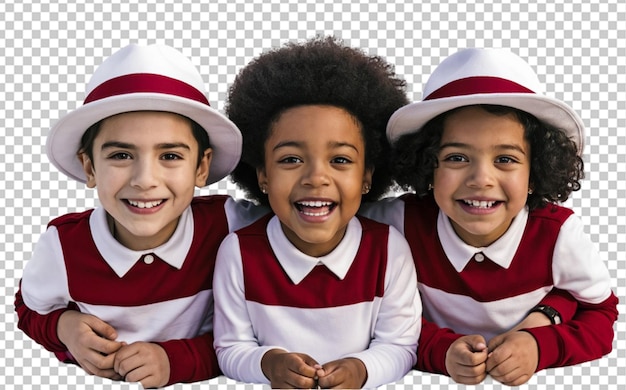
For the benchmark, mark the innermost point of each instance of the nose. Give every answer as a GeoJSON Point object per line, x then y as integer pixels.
{"type": "Point", "coordinates": [145, 174]}
{"type": "Point", "coordinates": [481, 175]}
{"type": "Point", "coordinates": [316, 174]}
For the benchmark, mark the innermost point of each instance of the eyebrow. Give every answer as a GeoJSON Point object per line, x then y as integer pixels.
{"type": "Point", "coordinates": [468, 146]}
{"type": "Point", "coordinates": [124, 145]}
{"type": "Point", "coordinates": [332, 144]}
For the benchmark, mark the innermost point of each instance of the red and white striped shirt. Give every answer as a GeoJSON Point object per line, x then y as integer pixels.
{"type": "Point", "coordinates": [161, 295]}
{"type": "Point", "coordinates": [359, 301]}
{"type": "Point", "coordinates": [489, 290]}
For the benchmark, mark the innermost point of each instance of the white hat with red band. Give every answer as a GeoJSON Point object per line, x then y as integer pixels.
{"type": "Point", "coordinates": [485, 76]}
{"type": "Point", "coordinates": [145, 78]}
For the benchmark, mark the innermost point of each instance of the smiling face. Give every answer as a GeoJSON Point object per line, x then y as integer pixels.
{"type": "Point", "coordinates": [315, 175]}
{"type": "Point", "coordinates": [482, 180]}
{"type": "Point", "coordinates": [145, 169]}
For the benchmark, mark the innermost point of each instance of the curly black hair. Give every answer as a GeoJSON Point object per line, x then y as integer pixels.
{"type": "Point", "coordinates": [320, 71]}
{"type": "Point", "coordinates": [555, 166]}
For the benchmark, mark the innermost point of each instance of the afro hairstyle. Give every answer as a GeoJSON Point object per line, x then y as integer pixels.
{"type": "Point", "coordinates": [320, 71]}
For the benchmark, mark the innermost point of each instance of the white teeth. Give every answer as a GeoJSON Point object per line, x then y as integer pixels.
{"type": "Point", "coordinates": [315, 214]}
{"type": "Point", "coordinates": [306, 205]}
{"type": "Point", "coordinates": [317, 203]}
{"type": "Point", "coordinates": [145, 205]}
{"type": "Point", "coordinates": [483, 204]}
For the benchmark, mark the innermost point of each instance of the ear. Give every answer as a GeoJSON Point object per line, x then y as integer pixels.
{"type": "Point", "coordinates": [202, 172]}
{"type": "Point", "coordinates": [367, 180]}
{"type": "Point", "coordinates": [262, 179]}
{"type": "Point", "coordinates": [89, 169]}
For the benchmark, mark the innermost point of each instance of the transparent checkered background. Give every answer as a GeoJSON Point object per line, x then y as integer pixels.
{"type": "Point", "coordinates": [48, 52]}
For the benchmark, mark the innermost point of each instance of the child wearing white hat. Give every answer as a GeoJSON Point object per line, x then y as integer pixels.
{"type": "Point", "coordinates": [490, 157]}
{"type": "Point", "coordinates": [124, 290]}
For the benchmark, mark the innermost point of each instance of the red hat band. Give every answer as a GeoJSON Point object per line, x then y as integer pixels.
{"type": "Point", "coordinates": [146, 83]}
{"type": "Point", "coordinates": [477, 85]}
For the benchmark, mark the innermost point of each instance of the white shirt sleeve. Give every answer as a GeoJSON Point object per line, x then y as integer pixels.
{"type": "Point", "coordinates": [577, 266]}
{"type": "Point", "coordinates": [238, 352]}
{"type": "Point", "coordinates": [392, 351]}
{"type": "Point", "coordinates": [240, 213]}
{"type": "Point", "coordinates": [44, 282]}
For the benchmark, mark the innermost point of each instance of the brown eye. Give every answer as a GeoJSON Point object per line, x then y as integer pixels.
{"type": "Point", "coordinates": [171, 156]}
{"type": "Point", "coordinates": [341, 160]}
{"type": "Point", "coordinates": [120, 156]}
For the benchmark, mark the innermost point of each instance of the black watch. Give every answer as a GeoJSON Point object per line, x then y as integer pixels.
{"type": "Point", "coordinates": [548, 311]}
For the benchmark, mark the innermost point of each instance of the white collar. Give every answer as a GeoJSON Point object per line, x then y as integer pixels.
{"type": "Point", "coordinates": [297, 265]}
{"type": "Point", "coordinates": [500, 252]}
{"type": "Point", "coordinates": [121, 259]}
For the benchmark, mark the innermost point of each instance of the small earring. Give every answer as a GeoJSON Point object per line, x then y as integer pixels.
{"type": "Point", "coordinates": [430, 187]}
{"type": "Point", "coordinates": [366, 188]}
{"type": "Point", "coordinates": [263, 189]}
{"type": "Point", "coordinates": [530, 191]}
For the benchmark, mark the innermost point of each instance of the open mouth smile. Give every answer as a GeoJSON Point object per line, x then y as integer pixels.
{"type": "Point", "coordinates": [316, 208]}
{"type": "Point", "coordinates": [481, 204]}
{"type": "Point", "coordinates": [144, 204]}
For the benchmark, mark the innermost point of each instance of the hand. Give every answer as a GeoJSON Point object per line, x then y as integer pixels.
{"type": "Point", "coordinates": [349, 373]}
{"type": "Point", "coordinates": [143, 362]}
{"type": "Point", "coordinates": [513, 358]}
{"type": "Point", "coordinates": [465, 360]}
{"type": "Point", "coordinates": [289, 370]}
{"type": "Point", "coordinates": [91, 342]}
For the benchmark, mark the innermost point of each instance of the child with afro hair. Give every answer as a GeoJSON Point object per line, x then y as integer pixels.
{"type": "Point", "coordinates": [323, 72]}
{"type": "Point", "coordinates": [312, 295]}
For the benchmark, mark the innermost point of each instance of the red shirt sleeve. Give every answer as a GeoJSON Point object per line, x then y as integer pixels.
{"type": "Point", "coordinates": [588, 336]}
{"type": "Point", "coordinates": [191, 360]}
{"type": "Point", "coordinates": [42, 328]}
{"type": "Point", "coordinates": [434, 343]}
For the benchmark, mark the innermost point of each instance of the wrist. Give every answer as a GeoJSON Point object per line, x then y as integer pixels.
{"type": "Point", "coordinates": [61, 326]}
{"type": "Point", "coordinates": [551, 313]}
{"type": "Point", "coordinates": [267, 361]}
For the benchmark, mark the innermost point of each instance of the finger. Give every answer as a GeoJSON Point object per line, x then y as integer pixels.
{"type": "Point", "coordinates": [319, 371]}
{"type": "Point", "coordinates": [304, 366]}
{"type": "Point", "coordinates": [105, 373]}
{"type": "Point", "coordinates": [124, 360]}
{"type": "Point", "coordinates": [335, 377]}
{"type": "Point", "coordinates": [300, 382]}
{"type": "Point", "coordinates": [95, 362]}
{"type": "Point", "coordinates": [472, 359]}
{"type": "Point", "coordinates": [470, 379]}
{"type": "Point", "coordinates": [101, 328]}
{"type": "Point", "coordinates": [520, 380]}
{"type": "Point", "coordinates": [305, 371]}
{"type": "Point", "coordinates": [476, 343]}
{"type": "Point", "coordinates": [513, 377]}
{"type": "Point", "coordinates": [479, 347]}
{"type": "Point", "coordinates": [104, 346]}
{"type": "Point", "coordinates": [310, 362]}
{"type": "Point", "coordinates": [496, 341]}
{"type": "Point", "coordinates": [468, 375]}
{"type": "Point", "coordinates": [497, 358]}
{"type": "Point", "coordinates": [471, 351]}
{"type": "Point", "coordinates": [142, 376]}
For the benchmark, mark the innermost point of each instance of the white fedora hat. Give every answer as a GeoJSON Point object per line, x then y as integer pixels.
{"type": "Point", "coordinates": [145, 78]}
{"type": "Point", "coordinates": [485, 76]}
